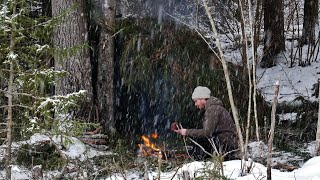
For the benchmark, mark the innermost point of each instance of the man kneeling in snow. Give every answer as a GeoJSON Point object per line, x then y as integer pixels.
{"type": "Point", "coordinates": [218, 132]}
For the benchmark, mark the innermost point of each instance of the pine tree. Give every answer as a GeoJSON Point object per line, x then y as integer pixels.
{"type": "Point", "coordinates": [27, 74]}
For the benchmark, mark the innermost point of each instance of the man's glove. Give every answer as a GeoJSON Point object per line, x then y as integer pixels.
{"type": "Point", "coordinates": [174, 126]}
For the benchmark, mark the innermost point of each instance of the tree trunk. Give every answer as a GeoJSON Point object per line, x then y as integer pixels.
{"type": "Point", "coordinates": [317, 151]}
{"type": "Point", "coordinates": [227, 78]}
{"type": "Point", "coordinates": [71, 35]}
{"type": "Point", "coordinates": [9, 121]}
{"type": "Point", "coordinates": [105, 79]}
{"type": "Point", "coordinates": [11, 55]}
{"type": "Point", "coordinates": [274, 41]}
{"type": "Point", "coordinates": [255, 42]}
{"type": "Point", "coordinates": [247, 65]}
{"type": "Point", "coordinates": [244, 39]}
{"type": "Point", "coordinates": [271, 133]}
{"type": "Point", "coordinates": [310, 19]}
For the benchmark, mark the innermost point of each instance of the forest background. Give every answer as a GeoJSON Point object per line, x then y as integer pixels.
{"type": "Point", "coordinates": [130, 67]}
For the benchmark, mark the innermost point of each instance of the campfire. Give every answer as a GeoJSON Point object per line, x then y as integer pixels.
{"type": "Point", "coordinates": [149, 148]}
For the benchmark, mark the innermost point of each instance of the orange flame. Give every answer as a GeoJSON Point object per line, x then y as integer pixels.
{"type": "Point", "coordinates": [154, 135]}
{"type": "Point", "coordinates": [147, 142]}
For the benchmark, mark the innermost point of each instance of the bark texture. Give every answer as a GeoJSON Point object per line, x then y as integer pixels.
{"type": "Point", "coordinates": [274, 41]}
{"type": "Point", "coordinates": [71, 35]}
{"type": "Point", "coordinates": [310, 19]}
{"type": "Point", "coordinates": [105, 78]}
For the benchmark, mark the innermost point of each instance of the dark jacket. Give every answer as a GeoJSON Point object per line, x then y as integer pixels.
{"type": "Point", "coordinates": [217, 124]}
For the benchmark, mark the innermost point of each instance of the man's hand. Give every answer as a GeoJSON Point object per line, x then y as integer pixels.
{"type": "Point", "coordinates": [174, 126]}
{"type": "Point", "coordinates": [181, 131]}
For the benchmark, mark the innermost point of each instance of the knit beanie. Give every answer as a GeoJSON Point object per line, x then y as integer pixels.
{"type": "Point", "coordinates": [201, 92]}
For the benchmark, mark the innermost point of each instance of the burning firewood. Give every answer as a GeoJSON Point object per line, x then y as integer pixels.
{"type": "Point", "coordinates": [150, 149]}
{"type": "Point", "coordinates": [147, 151]}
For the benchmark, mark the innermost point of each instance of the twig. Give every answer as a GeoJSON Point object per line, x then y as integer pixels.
{"type": "Point", "coordinates": [159, 165]}
{"type": "Point", "coordinates": [175, 173]}
{"type": "Point", "coordinates": [164, 150]}
{"type": "Point", "coordinates": [24, 94]}
{"type": "Point", "coordinates": [200, 147]}
{"type": "Point", "coordinates": [204, 39]}
{"type": "Point", "coordinates": [16, 105]}
{"type": "Point", "coordinates": [184, 140]}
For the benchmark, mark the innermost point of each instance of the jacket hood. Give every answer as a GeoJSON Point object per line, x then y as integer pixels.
{"type": "Point", "coordinates": [213, 101]}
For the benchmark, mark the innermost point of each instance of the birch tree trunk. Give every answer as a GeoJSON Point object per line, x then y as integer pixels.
{"type": "Point", "coordinates": [271, 132]}
{"type": "Point", "coordinates": [317, 153]}
{"type": "Point", "coordinates": [244, 50]}
{"type": "Point", "coordinates": [71, 35]}
{"type": "Point", "coordinates": [255, 41]}
{"type": "Point", "coordinates": [105, 79]}
{"type": "Point", "coordinates": [227, 77]}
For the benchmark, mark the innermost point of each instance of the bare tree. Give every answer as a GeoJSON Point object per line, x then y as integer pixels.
{"type": "Point", "coordinates": [70, 36]}
{"type": "Point", "coordinates": [105, 82]}
{"type": "Point", "coordinates": [227, 78]}
{"type": "Point", "coordinates": [255, 42]}
{"type": "Point", "coordinates": [245, 47]}
{"type": "Point", "coordinates": [274, 41]}
{"type": "Point", "coordinates": [251, 81]}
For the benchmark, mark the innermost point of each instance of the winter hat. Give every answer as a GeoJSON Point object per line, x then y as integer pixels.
{"type": "Point", "coordinates": [201, 92]}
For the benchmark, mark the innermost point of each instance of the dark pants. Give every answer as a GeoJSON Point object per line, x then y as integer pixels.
{"type": "Point", "coordinates": [198, 154]}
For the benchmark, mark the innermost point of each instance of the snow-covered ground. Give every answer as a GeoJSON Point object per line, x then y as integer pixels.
{"type": "Point", "coordinates": [232, 171]}
{"type": "Point", "coordinates": [77, 150]}
{"type": "Point", "coordinates": [294, 82]}
{"type": "Point", "coordinates": [73, 149]}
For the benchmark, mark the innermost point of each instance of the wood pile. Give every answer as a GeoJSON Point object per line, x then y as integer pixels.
{"type": "Point", "coordinates": [285, 167]}
{"type": "Point", "coordinates": [95, 139]}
